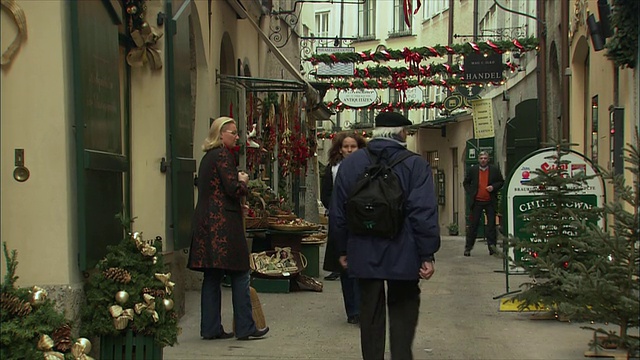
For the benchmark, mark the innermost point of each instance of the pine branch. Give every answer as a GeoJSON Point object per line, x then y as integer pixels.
{"type": "Point", "coordinates": [10, 277]}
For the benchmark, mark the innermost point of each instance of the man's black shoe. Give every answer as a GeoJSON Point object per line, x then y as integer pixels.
{"type": "Point", "coordinates": [355, 319]}
{"type": "Point", "coordinates": [492, 250]}
{"type": "Point", "coordinates": [257, 334]}
{"type": "Point", "coordinates": [332, 276]}
{"type": "Point", "coordinates": [223, 335]}
{"type": "Point", "coordinates": [467, 253]}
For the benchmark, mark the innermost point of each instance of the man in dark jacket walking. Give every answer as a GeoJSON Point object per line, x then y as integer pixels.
{"type": "Point", "coordinates": [482, 183]}
{"type": "Point", "coordinates": [400, 261]}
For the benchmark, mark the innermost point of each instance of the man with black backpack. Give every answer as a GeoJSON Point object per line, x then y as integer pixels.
{"type": "Point", "coordinates": [385, 214]}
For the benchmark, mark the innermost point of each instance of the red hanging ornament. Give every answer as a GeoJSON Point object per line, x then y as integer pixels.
{"type": "Point", "coordinates": [449, 49]}
{"type": "Point", "coordinates": [364, 56]}
{"type": "Point", "coordinates": [447, 67]}
{"type": "Point", "coordinates": [518, 45]}
{"type": "Point", "coordinates": [494, 47]}
{"type": "Point", "coordinates": [366, 72]}
{"type": "Point", "coordinates": [334, 58]}
{"type": "Point", "coordinates": [380, 84]}
{"type": "Point", "coordinates": [433, 51]}
{"type": "Point", "coordinates": [386, 54]}
{"type": "Point", "coordinates": [407, 7]}
{"type": "Point", "coordinates": [475, 47]}
{"type": "Point", "coordinates": [365, 84]}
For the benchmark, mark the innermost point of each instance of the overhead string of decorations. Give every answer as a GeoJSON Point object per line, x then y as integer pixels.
{"type": "Point", "coordinates": [415, 74]}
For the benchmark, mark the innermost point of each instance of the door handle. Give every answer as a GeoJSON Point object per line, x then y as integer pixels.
{"type": "Point", "coordinates": [164, 165]}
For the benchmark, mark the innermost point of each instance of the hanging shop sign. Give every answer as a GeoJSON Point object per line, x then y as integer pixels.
{"type": "Point", "coordinates": [414, 94]}
{"type": "Point", "coordinates": [483, 118]}
{"type": "Point", "coordinates": [338, 68]}
{"type": "Point", "coordinates": [481, 68]}
{"type": "Point", "coordinates": [357, 98]}
{"type": "Point", "coordinates": [521, 198]}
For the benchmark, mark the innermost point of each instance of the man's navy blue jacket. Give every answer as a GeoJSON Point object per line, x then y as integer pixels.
{"type": "Point", "coordinates": [419, 239]}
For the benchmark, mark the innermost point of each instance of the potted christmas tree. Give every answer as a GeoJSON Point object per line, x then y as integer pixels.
{"type": "Point", "coordinates": [30, 325]}
{"type": "Point", "coordinates": [609, 284]}
{"type": "Point", "coordinates": [557, 229]}
{"type": "Point", "coordinates": [129, 300]}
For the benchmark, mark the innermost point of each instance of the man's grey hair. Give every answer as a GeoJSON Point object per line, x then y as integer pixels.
{"type": "Point", "coordinates": [483, 152]}
{"type": "Point", "coordinates": [387, 132]}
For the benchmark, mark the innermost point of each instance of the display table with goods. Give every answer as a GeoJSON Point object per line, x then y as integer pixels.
{"type": "Point", "coordinates": [279, 260]}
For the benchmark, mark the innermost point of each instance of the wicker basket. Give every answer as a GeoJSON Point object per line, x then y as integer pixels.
{"type": "Point", "coordinates": [300, 259]}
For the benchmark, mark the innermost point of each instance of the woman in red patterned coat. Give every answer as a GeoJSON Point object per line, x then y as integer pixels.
{"type": "Point", "coordinates": [218, 245]}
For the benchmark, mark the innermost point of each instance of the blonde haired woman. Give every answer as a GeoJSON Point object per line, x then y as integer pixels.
{"type": "Point", "coordinates": [218, 244]}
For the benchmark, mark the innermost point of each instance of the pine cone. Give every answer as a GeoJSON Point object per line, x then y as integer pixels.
{"type": "Point", "coordinates": [14, 305]}
{"type": "Point", "coordinates": [62, 338]}
{"type": "Point", "coordinates": [117, 275]}
{"type": "Point", "coordinates": [157, 293]}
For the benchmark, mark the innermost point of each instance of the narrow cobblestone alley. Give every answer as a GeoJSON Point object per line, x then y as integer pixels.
{"type": "Point", "coordinates": [459, 319]}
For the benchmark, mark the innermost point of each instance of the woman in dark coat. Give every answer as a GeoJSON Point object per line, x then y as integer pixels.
{"type": "Point", "coordinates": [218, 246]}
{"type": "Point", "coordinates": [342, 146]}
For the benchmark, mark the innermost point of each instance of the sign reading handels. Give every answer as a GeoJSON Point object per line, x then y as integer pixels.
{"type": "Point", "coordinates": [521, 199]}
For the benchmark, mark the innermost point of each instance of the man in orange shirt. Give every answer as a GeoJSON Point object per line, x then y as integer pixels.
{"type": "Point", "coordinates": [482, 183]}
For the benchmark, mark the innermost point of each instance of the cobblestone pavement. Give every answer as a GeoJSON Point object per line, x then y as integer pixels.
{"type": "Point", "coordinates": [459, 319]}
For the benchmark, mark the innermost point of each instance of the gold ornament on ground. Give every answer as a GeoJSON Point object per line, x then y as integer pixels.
{"type": "Point", "coordinates": [80, 349]}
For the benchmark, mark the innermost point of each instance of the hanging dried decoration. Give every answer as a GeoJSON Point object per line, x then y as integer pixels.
{"type": "Point", "coordinates": [144, 37]}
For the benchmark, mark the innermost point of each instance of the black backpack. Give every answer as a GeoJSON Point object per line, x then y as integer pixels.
{"type": "Point", "coordinates": [375, 207]}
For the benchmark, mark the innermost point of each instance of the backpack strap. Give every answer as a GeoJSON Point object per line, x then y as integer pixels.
{"type": "Point", "coordinates": [402, 158]}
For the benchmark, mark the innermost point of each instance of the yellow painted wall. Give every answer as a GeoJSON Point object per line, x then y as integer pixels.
{"type": "Point", "coordinates": [37, 218]}
{"type": "Point", "coordinates": [148, 146]}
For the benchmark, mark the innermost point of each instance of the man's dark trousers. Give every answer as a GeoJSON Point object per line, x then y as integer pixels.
{"type": "Point", "coordinates": [489, 229]}
{"type": "Point", "coordinates": [404, 305]}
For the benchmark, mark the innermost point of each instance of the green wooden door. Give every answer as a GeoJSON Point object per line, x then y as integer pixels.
{"type": "Point", "coordinates": [522, 133]}
{"type": "Point", "coordinates": [181, 117]}
{"type": "Point", "coordinates": [100, 124]}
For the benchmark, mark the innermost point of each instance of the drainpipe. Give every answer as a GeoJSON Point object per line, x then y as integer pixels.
{"type": "Point", "coordinates": [542, 70]}
{"type": "Point", "coordinates": [475, 20]}
{"type": "Point", "coordinates": [450, 38]}
{"type": "Point", "coordinates": [564, 56]}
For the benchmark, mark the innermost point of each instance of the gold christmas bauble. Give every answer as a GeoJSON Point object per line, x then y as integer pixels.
{"type": "Point", "coordinates": [122, 297]}
{"type": "Point", "coordinates": [168, 304]}
{"type": "Point", "coordinates": [86, 343]}
{"type": "Point", "coordinates": [38, 297]}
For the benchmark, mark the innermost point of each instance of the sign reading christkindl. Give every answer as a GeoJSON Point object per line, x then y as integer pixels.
{"type": "Point", "coordinates": [482, 118]}
{"type": "Point", "coordinates": [522, 199]}
{"type": "Point", "coordinates": [481, 68]}
{"type": "Point", "coordinates": [357, 98]}
{"type": "Point", "coordinates": [337, 69]}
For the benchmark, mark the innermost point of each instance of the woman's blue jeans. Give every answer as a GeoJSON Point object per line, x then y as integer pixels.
{"type": "Point", "coordinates": [211, 303]}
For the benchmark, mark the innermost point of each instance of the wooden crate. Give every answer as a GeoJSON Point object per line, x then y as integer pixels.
{"type": "Point", "coordinates": [129, 347]}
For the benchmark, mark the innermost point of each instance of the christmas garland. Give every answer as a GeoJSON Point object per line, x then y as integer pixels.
{"type": "Point", "coordinates": [416, 55]}
{"type": "Point", "coordinates": [401, 84]}
{"type": "Point", "coordinates": [379, 71]}
{"type": "Point", "coordinates": [409, 105]}
{"type": "Point", "coordinates": [622, 48]}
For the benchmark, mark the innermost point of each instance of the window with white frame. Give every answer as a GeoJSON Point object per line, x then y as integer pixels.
{"type": "Point", "coordinates": [367, 19]}
{"type": "Point", "coordinates": [322, 24]}
{"type": "Point", "coordinates": [394, 98]}
{"type": "Point", "coordinates": [399, 25]}
{"type": "Point", "coordinates": [432, 8]}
